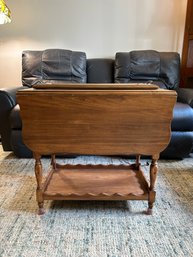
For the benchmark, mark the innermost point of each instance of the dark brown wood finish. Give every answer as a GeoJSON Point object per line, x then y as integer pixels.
{"type": "Point", "coordinates": [187, 51]}
{"type": "Point", "coordinates": [117, 86]}
{"type": "Point", "coordinates": [98, 122]}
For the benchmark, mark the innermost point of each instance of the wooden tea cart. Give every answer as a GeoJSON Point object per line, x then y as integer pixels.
{"type": "Point", "coordinates": [96, 119]}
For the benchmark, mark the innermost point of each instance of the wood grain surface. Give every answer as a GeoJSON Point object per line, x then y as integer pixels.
{"type": "Point", "coordinates": [99, 122]}
{"type": "Point", "coordinates": [85, 182]}
{"type": "Point", "coordinates": [135, 120]}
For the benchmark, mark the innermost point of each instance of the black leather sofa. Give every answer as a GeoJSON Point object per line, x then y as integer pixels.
{"type": "Point", "coordinates": [162, 68]}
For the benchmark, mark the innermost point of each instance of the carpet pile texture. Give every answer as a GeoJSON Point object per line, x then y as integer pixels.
{"type": "Point", "coordinates": [95, 228]}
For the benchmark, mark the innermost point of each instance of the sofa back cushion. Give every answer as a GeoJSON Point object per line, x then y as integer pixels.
{"type": "Point", "coordinates": [144, 64]}
{"type": "Point", "coordinates": [163, 68]}
{"type": "Point", "coordinates": [53, 65]}
{"type": "Point", "coordinates": [100, 70]}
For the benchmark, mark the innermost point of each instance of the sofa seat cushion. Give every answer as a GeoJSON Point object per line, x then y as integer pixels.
{"type": "Point", "coordinates": [180, 145]}
{"type": "Point", "coordinates": [15, 119]}
{"type": "Point", "coordinates": [182, 117]}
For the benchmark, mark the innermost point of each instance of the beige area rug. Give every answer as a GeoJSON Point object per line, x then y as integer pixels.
{"type": "Point", "coordinates": [95, 229]}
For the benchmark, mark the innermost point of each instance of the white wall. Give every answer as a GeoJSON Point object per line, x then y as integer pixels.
{"type": "Point", "coordinates": [98, 27]}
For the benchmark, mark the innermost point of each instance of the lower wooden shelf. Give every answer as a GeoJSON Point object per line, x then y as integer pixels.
{"type": "Point", "coordinates": [96, 182]}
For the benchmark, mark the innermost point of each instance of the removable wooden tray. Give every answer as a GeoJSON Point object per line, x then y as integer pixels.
{"type": "Point", "coordinates": [96, 182]}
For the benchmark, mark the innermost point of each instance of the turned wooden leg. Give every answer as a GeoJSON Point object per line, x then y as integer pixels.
{"type": "Point", "coordinates": [137, 162]}
{"type": "Point", "coordinates": [153, 177]}
{"type": "Point", "coordinates": [39, 190]}
{"type": "Point", "coordinates": [53, 161]}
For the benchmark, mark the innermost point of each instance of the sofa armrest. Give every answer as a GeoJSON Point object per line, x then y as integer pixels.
{"type": "Point", "coordinates": [185, 95]}
{"type": "Point", "coordinates": [7, 102]}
